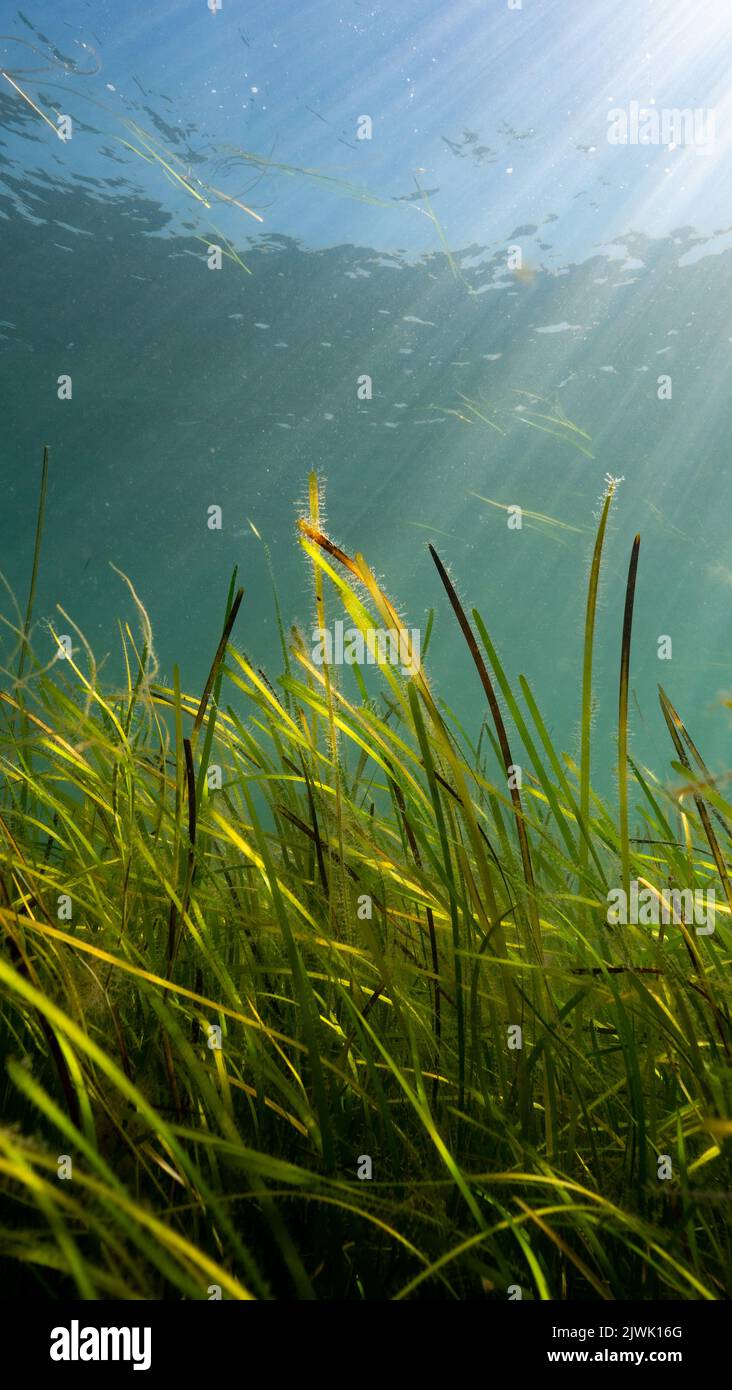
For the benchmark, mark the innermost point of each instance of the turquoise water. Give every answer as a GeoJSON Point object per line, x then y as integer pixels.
{"type": "Point", "coordinates": [392, 257]}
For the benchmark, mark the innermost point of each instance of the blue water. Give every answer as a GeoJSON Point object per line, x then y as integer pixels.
{"type": "Point", "coordinates": [393, 257]}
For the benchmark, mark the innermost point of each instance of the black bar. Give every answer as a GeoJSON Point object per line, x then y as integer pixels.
{"type": "Point", "coordinates": [220, 1338]}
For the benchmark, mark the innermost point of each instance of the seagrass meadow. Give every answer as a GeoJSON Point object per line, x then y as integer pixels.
{"type": "Point", "coordinates": [309, 992]}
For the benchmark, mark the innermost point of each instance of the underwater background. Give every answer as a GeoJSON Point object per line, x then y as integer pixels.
{"type": "Point", "coordinates": [380, 316]}
{"type": "Point", "coordinates": [424, 195]}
